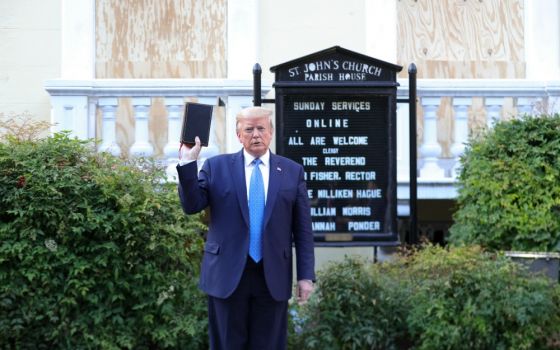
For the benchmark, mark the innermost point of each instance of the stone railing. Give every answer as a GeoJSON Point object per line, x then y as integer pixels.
{"type": "Point", "coordinates": [98, 109]}
{"type": "Point", "coordinates": [448, 111]}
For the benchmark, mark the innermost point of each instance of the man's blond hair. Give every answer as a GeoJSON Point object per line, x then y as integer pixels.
{"type": "Point", "coordinates": [253, 112]}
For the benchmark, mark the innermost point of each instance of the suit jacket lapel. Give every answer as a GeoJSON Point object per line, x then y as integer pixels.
{"type": "Point", "coordinates": [274, 180]}
{"type": "Point", "coordinates": [238, 172]}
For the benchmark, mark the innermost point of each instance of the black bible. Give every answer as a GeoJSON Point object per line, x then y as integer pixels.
{"type": "Point", "coordinates": [196, 122]}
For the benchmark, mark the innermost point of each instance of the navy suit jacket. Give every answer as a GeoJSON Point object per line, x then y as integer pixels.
{"type": "Point", "coordinates": [221, 186]}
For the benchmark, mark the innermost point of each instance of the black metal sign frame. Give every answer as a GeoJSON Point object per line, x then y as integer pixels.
{"type": "Point", "coordinates": [309, 131]}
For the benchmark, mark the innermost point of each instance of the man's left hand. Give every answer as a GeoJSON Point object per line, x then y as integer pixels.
{"type": "Point", "coordinates": [304, 289]}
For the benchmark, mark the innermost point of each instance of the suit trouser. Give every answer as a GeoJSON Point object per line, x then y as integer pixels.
{"type": "Point", "coordinates": [250, 318]}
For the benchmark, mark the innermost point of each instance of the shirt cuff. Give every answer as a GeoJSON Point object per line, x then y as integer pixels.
{"type": "Point", "coordinates": [185, 162]}
{"type": "Point", "coordinates": [310, 281]}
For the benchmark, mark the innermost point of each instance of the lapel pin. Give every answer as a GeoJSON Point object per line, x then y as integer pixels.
{"type": "Point", "coordinates": [278, 168]}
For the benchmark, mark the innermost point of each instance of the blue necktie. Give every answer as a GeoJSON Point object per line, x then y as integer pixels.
{"type": "Point", "coordinates": [256, 212]}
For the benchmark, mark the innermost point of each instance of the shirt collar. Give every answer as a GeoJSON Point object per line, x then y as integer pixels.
{"type": "Point", "coordinates": [249, 158]}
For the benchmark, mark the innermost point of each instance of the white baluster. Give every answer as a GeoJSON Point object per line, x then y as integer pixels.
{"type": "Point", "coordinates": [403, 154]}
{"type": "Point", "coordinates": [493, 108]}
{"type": "Point", "coordinates": [431, 149]}
{"type": "Point", "coordinates": [460, 132]}
{"type": "Point", "coordinates": [174, 124]}
{"type": "Point", "coordinates": [524, 106]}
{"type": "Point", "coordinates": [141, 146]}
{"type": "Point", "coordinates": [213, 149]}
{"type": "Point", "coordinates": [108, 125]}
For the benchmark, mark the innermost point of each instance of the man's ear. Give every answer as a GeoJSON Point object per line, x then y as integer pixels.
{"type": "Point", "coordinates": [239, 137]}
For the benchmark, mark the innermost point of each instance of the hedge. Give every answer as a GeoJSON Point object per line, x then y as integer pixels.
{"type": "Point", "coordinates": [95, 252]}
{"type": "Point", "coordinates": [461, 298]}
{"type": "Point", "coordinates": [509, 187]}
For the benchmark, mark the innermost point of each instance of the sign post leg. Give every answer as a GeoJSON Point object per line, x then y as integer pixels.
{"type": "Point", "coordinates": [413, 237]}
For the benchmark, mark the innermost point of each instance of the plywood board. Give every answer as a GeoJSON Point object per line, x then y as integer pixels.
{"type": "Point", "coordinates": [462, 38]}
{"type": "Point", "coordinates": [161, 39]}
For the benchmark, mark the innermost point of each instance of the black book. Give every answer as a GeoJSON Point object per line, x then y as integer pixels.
{"type": "Point", "coordinates": [196, 122]}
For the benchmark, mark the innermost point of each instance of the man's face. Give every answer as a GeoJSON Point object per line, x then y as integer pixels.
{"type": "Point", "coordinates": [255, 134]}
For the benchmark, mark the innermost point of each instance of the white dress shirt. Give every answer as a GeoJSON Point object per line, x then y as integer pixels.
{"type": "Point", "coordinates": [265, 170]}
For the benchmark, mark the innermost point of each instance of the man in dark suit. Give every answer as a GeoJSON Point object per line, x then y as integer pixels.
{"type": "Point", "coordinates": [258, 208]}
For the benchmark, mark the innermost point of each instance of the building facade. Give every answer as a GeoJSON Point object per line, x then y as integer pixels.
{"type": "Point", "coordinates": [121, 70]}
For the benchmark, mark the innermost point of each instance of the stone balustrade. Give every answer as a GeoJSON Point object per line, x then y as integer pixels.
{"type": "Point", "coordinates": [449, 111]}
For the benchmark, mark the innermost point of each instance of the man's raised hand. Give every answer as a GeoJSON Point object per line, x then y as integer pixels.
{"type": "Point", "coordinates": [189, 152]}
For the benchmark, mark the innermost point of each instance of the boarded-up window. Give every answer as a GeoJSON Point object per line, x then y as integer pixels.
{"type": "Point", "coordinates": [462, 38]}
{"type": "Point", "coordinates": [161, 39]}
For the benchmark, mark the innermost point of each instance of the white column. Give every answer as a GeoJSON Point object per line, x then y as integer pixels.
{"type": "Point", "coordinates": [242, 38]}
{"type": "Point", "coordinates": [141, 146]}
{"type": "Point", "coordinates": [493, 108]}
{"type": "Point", "coordinates": [431, 149]}
{"type": "Point", "coordinates": [542, 39]}
{"type": "Point", "coordinates": [78, 39]}
{"type": "Point", "coordinates": [381, 17]}
{"type": "Point", "coordinates": [70, 113]}
{"type": "Point", "coordinates": [460, 132]}
{"type": "Point", "coordinates": [403, 142]}
{"type": "Point", "coordinates": [171, 150]}
{"type": "Point", "coordinates": [109, 141]}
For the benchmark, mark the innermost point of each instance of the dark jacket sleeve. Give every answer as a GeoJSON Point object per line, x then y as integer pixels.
{"type": "Point", "coordinates": [193, 187]}
{"type": "Point", "coordinates": [303, 234]}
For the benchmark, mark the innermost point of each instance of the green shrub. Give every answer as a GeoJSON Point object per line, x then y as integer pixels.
{"type": "Point", "coordinates": [509, 194]}
{"type": "Point", "coordinates": [468, 299]}
{"type": "Point", "coordinates": [94, 253]}
{"type": "Point", "coordinates": [352, 308]}
{"type": "Point", "coordinates": [461, 298]}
